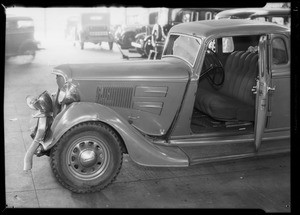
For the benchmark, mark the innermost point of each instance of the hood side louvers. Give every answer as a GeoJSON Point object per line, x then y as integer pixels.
{"type": "Point", "coordinates": [114, 96]}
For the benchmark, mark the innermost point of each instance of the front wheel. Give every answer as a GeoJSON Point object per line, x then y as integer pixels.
{"type": "Point", "coordinates": [87, 158]}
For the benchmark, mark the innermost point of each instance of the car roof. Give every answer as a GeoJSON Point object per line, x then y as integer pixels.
{"type": "Point", "coordinates": [208, 28]}
{"type": "Point", "coordinates": [15, 17]}
{"type": "Point", "coordinates": [244, 13]}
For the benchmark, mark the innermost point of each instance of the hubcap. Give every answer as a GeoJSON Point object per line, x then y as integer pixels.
{"type": "Point", "coordinates": [87, 158]}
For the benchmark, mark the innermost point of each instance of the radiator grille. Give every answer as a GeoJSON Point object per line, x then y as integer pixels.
{"type": "Point", "coordinates": [114, 96]}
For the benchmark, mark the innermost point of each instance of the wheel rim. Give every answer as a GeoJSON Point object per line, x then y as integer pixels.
{"type": "Point", "coordinates": [87, 158]}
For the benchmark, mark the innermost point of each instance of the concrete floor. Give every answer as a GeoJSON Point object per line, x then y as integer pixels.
{"type": "Point", "coordinates": [262, 183]}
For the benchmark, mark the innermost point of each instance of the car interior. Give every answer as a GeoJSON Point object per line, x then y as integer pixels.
{"type": "Point", "coordinates": [224, 100]}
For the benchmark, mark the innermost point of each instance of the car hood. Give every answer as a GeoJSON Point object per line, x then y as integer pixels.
{"type": "Point", "coordinates": [129, 70]}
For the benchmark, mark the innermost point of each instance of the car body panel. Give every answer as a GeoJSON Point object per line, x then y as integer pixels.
{"type": "Point", "coordinates": [141, 149]}
{"type": "Point", "coordinates": [138, 92]}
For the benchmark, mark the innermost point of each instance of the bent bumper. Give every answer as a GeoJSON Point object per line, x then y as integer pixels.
{"type": "Point", "coordinates": [39, 136]}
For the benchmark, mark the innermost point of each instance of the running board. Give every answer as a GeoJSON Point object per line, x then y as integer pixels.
{"type": "Point", "coordinates": [224, 149]}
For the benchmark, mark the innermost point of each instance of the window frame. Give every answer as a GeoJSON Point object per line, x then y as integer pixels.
{"type": "Point", "coordinates": [286, 52]}
{"type": "Point", "coordinates": [200, 40]}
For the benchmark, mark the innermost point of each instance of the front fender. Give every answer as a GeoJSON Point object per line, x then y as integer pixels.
{"type": "Point", "coordinates": [140, 36]}
{"type": "Point", "coordinates": [140, 148]}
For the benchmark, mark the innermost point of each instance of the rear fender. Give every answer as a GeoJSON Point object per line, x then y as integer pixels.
{"type": "Point", "coordinates": [141, 149]}
{"type": "Point", "coordinates": [28, 44]}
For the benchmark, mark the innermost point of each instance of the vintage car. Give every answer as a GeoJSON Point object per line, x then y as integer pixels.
{"type": "Point", "coordinates": [126, 34]}
{"type": "Point", "coordinates": [144, 42]}
{"type": "Point", "coordinates": [94, 28]}
{"type": "Point", "coordinates": [213, 96]}
{"type": "Point", "coordinates": [19, 38]}
{"type": "Point", "coordinates": [276, 15]}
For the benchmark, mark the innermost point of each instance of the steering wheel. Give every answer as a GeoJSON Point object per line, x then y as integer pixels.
{"type": "Point", "coordinates": [214, 71]}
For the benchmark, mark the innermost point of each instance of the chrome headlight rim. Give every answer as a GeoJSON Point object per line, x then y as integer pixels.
{"type": "Point", "coordinates": [68, 94]}
{"type": "Point", "coordinates": [42, 103]}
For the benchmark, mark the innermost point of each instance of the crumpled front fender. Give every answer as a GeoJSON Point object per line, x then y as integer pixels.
{"type": "Point", "coordinates": [140, 148]}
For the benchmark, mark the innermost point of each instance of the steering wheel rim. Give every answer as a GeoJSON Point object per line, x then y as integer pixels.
{"type": "Point", "coordinates": [218, 65]}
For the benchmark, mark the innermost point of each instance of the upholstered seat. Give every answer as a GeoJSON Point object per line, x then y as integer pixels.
{"type": "Point", "coordinates": [234, 100]}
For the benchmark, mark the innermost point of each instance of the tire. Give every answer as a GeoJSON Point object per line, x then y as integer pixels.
{"type": "Point", "coordinates": [111, 45]}
{"type": "Point", "coordinates": [28, 49]}
{"type": "Point", "coordinates": [87, 158]}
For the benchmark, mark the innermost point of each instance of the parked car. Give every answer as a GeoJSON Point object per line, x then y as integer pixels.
{"type": "Point", "coordinates": [213, 96]}
{"type": "Point", "coordinates": [126, 34]}
{"type": "Point", "coordinates": [143, 41]}
{"type": "Point", "coordinates": [276, 15]}
{"type": "Point", "coordinates": [94, 28]}
{"type": "Point", "coordinates": [19, 37]}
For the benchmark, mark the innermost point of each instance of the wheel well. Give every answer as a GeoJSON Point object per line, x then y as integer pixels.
{"type": "Point", "coordinates": [124, 148]}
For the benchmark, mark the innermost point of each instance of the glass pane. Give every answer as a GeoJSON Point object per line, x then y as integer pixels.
{"type": "Point", "coordinates": [279, 52]}
{"type": "Point", "coordinates": [184, 47]}
{"type": "Point", "coordinates": [227, 45]}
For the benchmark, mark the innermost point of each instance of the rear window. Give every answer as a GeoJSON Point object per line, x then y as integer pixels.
{"type": "Point", "coordinates": [279, 52]}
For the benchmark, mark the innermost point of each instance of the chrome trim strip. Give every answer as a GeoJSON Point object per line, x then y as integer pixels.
{"type": "Point", "coordinates": [61, 73]}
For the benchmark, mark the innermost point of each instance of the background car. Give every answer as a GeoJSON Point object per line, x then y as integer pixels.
{"type": "Point", "coordinates": [143, 42]}
{"type": "Point", "coordinates": [276, 15]}
{"type": "Point", "coordinates": [94, 28]}
{"type": "Point", "coordinates": [19, 38]}
{"type": "Point", "coordinates": [125, 34]}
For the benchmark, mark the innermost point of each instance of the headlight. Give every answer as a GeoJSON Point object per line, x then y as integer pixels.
{"type": "Point", "coordinates": [43, 103]}
{"type": "Point", "coordinates": [68, 94]}
{"type": "Point", "coordinates": [60, 80]}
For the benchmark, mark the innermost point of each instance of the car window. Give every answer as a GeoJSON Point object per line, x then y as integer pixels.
{"type": "Point", "coordinates": [212, 45]}
{"type": "Point", "coordinates": [279, 52]}
{"type": "Point", "coordinates": [227, 45]}
{"type": "Point", "coordinates": [184, 47]}
{"type": "Point", "coordinates": [278, 20]}
{"type": "Point", "coordinates": [25, 23]}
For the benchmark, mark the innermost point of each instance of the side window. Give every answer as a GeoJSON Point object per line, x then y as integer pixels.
{"type": "Point", "coordinates": [208, 15]}
{"type": "Point", "coordinates": [227, 45]}
{"type": "Point", "coordinates": [212, 45]}
{"type": "Point", "coordinates": [279, 52]}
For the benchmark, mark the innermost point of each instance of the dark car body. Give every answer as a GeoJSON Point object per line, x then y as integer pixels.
{"type": "Point", "coordinates": [19, 39]}
{"type": "Point", "coordinates": [208, 99]}
{"type": "Point", "coordinates": [276, 15]}
{"type": "Point", "coordinates": [126, 34]}
{"type": "Point", "coordinates": [94, 28]}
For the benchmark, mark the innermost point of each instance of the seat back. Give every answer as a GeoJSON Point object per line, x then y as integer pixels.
{"type": "Point", "coordinates": [241, 69]}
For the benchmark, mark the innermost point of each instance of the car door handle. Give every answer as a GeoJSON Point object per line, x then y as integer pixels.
{"type": "Point", "coordinates": [271, 89]}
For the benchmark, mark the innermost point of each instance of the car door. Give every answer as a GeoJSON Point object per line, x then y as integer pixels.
{"type": "Point", "coordinates": [261, 90]}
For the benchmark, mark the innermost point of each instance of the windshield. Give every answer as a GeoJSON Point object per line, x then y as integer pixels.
{"type": "Point", "coordinates": [95, 19]}
{"type": "Point", "coordinates": [184, 47]}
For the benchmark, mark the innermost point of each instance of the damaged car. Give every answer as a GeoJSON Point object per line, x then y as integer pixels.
{"type": "Point", "coordinates": [221, 91]}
